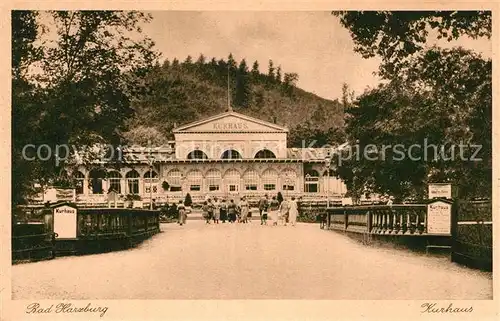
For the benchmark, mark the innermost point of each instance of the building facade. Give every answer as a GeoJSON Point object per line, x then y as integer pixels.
{"type": "Point", "coordinates": [229, 155]}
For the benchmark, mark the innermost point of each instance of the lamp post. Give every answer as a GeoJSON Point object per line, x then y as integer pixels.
{"type": "Point", "coordinates": [151, 162]}
{"type": "Point", "coordinates": [327, 165]}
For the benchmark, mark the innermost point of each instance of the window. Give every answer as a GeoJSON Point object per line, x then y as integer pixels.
{"type": "Point", "coordinates": [270, 179]}
{"type": "Point", "coordinates": [174, 179]}
{"type": "Point", "coordinates": [197, 154]}
{"type": "Point", "coordinates": [233, 188]}
{"type": "Point", "coordinates": [311, 182]}
{"type": "Point", "coordinates": [133, 182]}
{"type": "Point", "coordinates": [96, 178]}
{"type": "Point", "coordinates": [194, 180]}
{"type": "Point", "coordinates": [251, 180]}
{"type": "Point", "coordinates": [269, 187]}
{"type": "Point", "coordinates": [288, 179]}
{"type": "Point", "coordinates": [214, 178]}
{"type": "Point", "coordinates": [114, 179]}
{"type": "Point", "coordinates": [79, 178]}
{"type": "Point", "coordinates": [265, 153]}
{"type": "Point", "coordinates": [288, 187]}
{"type": "Point", "coordinates": [231, 154]}
{"type": "Point", "coordinates": [232, 178]}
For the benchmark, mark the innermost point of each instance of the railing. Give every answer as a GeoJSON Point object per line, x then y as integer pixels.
{"type": "Point", "coordinates": [31, 242]}
{"type": "Point", "coordinates": [400, 219]}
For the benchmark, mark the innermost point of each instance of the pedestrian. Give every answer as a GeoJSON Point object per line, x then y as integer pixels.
{"type": "Point", "coordinates": [244, 208]}
{"type": "Point", "coordinates": [231, 211]}
{"type": "Point", "coordinates": [206, 216]}
{"type": "Point", "coordinates": [263, 204]}
{"type": "Point", "coordinates": [182, 213]}
{"type": "Point", "coordinates": [223, 211]}
{"type": "Point", "coordinates": [283, 211]}
{"type": "Point", "coordinates": [293, 211]}
{"type": "Point", "coordinates": [216, 205]}
{"type": "Point", "coordinates": [274, 210]}
{"type": "Point", "coordinates": [211, 210]}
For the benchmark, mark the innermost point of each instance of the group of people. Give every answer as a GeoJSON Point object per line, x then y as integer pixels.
{"type": "Point", "coordinates": [216, 211]}
{"type": "Point", "coordinates": [222, 211]}
{"type": "Point", "coordinates": [284, 213]}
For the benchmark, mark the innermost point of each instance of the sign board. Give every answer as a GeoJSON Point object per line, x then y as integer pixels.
{"type": "Point", "coordinates": [439, 218]}
{"type": "Point", "coordinates": [65, 222]}
{"type": "Point", "coordinates": [137, 204]}
{"type": "Point", "coordinates": [439, 191]}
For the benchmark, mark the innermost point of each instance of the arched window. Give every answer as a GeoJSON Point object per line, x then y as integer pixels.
{"type": "Point", "coordinates": [251, 180]}
{"type": "Point", "coordinates": [114, 179]}
{"type": "Point", "coordinates": [270, 179]}
{"type": "Point", "coordinates": [231, 154]}
{"type": "Point", "coordinates": [232, 180]}
{"type": "Point", "coordinates": [197, 154]}
{"type": "Point", "coordinates": [174, 179]}
{"type": "Point", "coordinates": [150, 181]}
{"type": "Point", "coordinates": [133, 182]}
{"type": "Point", "coordinates": [311, 182]}
{"type": "Point", "coordinates": [214, 178]}
{"type": "Point", "coordinates": [194, 180]}
{"type": "Point", "coordinates": [96, 177]}
{"type": "Point", "coordinates": [265, 153]}
{"type": "Point", "coordinates": [79, 179]}
{"type": "Point", "coordinates": [288, 179]}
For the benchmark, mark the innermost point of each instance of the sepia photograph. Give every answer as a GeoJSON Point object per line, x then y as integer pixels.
{"type": "Point", "coordinates": [251, 155]}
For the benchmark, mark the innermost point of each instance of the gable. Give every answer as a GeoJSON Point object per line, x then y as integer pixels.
{"type": "Point", "coordinates": [230, 122]}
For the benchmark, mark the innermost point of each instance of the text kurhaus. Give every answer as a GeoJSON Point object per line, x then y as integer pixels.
{"type": "Point", "coordinates": [431, 308]}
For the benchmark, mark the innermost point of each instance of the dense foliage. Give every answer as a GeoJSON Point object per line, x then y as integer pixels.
{"type": "Point", "coordinates": [432, 96]}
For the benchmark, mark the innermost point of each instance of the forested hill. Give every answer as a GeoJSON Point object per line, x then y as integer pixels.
{"type": "Point", "coordinates": [182, 92]}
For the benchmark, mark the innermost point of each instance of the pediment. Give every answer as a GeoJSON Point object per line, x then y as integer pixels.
{"type": "Point", "coordinates": [230, 122]}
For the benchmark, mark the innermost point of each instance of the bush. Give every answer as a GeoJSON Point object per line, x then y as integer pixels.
{"type": "Point", "coordinates": [188, 201]}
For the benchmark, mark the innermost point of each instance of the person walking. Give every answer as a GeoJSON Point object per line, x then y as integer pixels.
{"type": "Point", "coordinates": [206, 216]}
{"type": "Point", "coordinates": [283, 211]}
{"type": "Point", "coordinates": [263, 204]}
{"type": "Point", "coordinates": [182, 213]}
{"type": "Point", "coordinates": [244, 207]}
{"type": "Point", "coordinates": [211, 210]}
{"type": "Point", "coordinates": [223, 211]}
{"type": "Point", "coordinates": [293, 212]}
{"type": "Point", "coordinates": [274, 210]}
{"type": "Point", "coordinates": [231, 211]}
{"type": "Point", "coordinates": [216, 205]}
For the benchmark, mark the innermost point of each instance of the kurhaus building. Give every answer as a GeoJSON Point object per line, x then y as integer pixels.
{"type": "Point", "coordinates": [228, 155]}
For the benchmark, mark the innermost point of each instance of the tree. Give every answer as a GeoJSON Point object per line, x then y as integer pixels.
{"type": "Point", "coordinates": [88, 76]}
{"type": "Point", "coordinates": [231, 62]}
{"type": "Point", "coordinates": [279, 197]}
{"type": "Point", "coordinates": [278, 74]}
{"type": "Point", "coordinates": [270, 69]}
{"type": "Point", "coordinates": [242, 93]}
{"type": "Point", "coordinates": [201, 60]}
{"type": "Point", "coordinates": [397, 35]}
{"type": "Point", "coordinates": [255, 68]}
{"type": "Point", "coordinates": [188, 201]}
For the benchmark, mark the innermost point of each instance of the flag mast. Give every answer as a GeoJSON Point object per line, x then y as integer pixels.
{"type": "Point", "coordinates": [228, 91]}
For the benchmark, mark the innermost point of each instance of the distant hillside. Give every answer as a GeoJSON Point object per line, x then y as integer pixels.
{"type": "Point", "coordinates": [179, 93]}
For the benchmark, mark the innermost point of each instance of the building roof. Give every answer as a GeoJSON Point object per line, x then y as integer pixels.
{"type": "Point", "coordinates": [260, 124]}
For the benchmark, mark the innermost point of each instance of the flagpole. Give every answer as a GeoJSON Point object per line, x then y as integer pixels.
{"type": "Point", "coordinates": [228, 90]}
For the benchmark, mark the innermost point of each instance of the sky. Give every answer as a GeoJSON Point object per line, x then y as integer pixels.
{"type": "Point", "coordinates": [312, 44]}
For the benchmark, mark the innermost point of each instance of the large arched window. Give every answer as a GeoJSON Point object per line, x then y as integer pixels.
{"type": "Point", "coordinates": [251, 180]}
{"type": "Point", "coordinates": [288, 179]}
{"type": "Point", "coordinates": [197, 154]}
{"type": "Point", "coordinates": [133, 182]}
{"type": "Point", "coordinates": [114, 179]}
{"type": "Point", "coordinates": [311, 182]}
{"type": "Point", "coordinates": [174, 179]}
{"type": "Point", "coordinates": [96, 177]}
{"type": "Point", "coordinates": [265, 153]}
{"type": "Point", "coordinates": [79, 179]}
{"type": "Point", "coordinates": [194, 180]}
{"type": "Point", "coordinates": [232, 180]}
{"type": "Point", "coordinates": [150, 181]}
{"type": "Point", "coordinates": [270, 179]}
{"type": "Point", "coordinates": [231, 154]}
{"type": "Point", "coordinates": [214, 178]}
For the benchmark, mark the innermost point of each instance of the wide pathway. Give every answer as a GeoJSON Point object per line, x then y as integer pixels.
{"type": "Point", "coordinates": [250, 261]}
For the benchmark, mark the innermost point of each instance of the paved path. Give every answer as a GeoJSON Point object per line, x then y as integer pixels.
{"type": "Point", "coordinates": [249, 261]}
